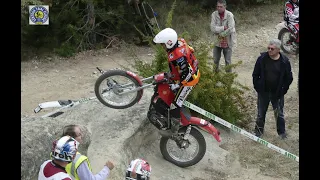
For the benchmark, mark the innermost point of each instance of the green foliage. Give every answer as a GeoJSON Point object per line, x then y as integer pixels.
{"type": "Point", "coordinates": [217, 93]}
{"type": "Point", "coordinates": [170, 14]}
{"type": "Point", "coordinates": [77, 25]}
{"type": "Point", "coordinates": [160, 63]}
{"type": "Point", "coordinates": [70, 23]}
{"type": "Point", "coordinates": [65, 50]}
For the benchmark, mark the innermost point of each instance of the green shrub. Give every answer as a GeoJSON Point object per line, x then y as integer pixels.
{"type": "Point", "coordinates": [76, 25]}
{"type": "Point", "coordinates": [219, 92]}
{"type": "Point", "coordinates": [65, 50]}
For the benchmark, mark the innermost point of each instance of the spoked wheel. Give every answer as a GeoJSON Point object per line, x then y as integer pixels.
{"type": "Point", "coordinates": [286, 39]}
{"type": "Point", "coordinates": [111, 86]}
{"type": "Point", "coordinates": [184, 153]}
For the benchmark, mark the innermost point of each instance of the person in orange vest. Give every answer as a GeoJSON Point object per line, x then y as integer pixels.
{"type": "Point", "coordinates": [184, 72]}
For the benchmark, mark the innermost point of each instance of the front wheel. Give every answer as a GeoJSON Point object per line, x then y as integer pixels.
{"type": "Point", "coordinates": [192, 152]}
{"type": "Point", "coordinates": [111, 84]}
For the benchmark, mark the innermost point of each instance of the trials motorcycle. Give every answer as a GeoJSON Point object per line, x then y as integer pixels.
{"type": "Point", "coordinates": [287, 39]}
{"type": "Point", "coordinates": [121, 89]}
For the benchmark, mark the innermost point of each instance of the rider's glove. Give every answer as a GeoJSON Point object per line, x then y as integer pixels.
{"type": "Point", "coordinates": [174, 86]}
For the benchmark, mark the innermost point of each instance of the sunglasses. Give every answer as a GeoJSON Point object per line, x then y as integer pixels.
{"type": "Point", "coordinates": [269, 48]}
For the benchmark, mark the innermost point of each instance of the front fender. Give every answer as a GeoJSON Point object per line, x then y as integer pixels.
{"type": "Point", "coordinates": [206, 126]}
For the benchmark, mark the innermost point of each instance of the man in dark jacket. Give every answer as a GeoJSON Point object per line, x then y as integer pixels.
{"type": "Point", "coordinates": [272, 77]}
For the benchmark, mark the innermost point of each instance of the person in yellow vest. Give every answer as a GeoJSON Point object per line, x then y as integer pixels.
{"type": "Point", "coordinates": [79, 168]}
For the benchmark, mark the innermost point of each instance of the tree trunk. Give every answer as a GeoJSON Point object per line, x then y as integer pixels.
{"type": "Point", "coordinates": [91, 16]}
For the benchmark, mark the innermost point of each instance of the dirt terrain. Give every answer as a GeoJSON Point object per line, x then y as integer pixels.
{"type": "Point", "coordinates": [53, 78]}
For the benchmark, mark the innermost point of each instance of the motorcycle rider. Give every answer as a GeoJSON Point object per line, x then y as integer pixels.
{"type": "Point", "coordinates": [63, 152]}
{"type": "Point", "coordinates": [291, 16]}
{"type": "Point", "coordinates": [184, 72]}
{"type": "Point", "coordinates": [138, 169]}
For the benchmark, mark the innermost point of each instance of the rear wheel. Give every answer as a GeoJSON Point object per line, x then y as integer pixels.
{"type": "Point", "coordinates": [286, 39]}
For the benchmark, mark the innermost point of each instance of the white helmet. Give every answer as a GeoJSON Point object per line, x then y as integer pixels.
{"type": "Point", "coordinates": [138, 169]}
{"type": "Point", "coordinates": [65, 149]}
{"type": "Point", "coordinates": [167, 36]}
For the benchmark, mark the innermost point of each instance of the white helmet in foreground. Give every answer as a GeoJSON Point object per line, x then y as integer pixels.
{"type": "Point", "coordinates": [167, 36]}
{"type": "Point", "coordinates": [65, 149]}
{"type": "Point", "coordinates": [138, 169]}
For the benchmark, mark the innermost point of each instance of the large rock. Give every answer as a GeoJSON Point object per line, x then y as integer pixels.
{"type": "Point", "coordinates": [119, 135]}
{"type": "Point", "coordinates": [107, 128]}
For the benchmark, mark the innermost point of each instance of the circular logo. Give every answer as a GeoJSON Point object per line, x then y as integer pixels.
{"type": "Point", "coordinates": [39, 15]}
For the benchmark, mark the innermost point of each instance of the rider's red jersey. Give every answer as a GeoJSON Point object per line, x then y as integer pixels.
{"type": "Point", "coordinates": [183, 64]}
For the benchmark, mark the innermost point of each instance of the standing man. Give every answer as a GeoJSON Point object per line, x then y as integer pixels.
{"type": "Point", "coordinates": [224, 34]}
{"type": "Point", "coordinates": [272, 77]}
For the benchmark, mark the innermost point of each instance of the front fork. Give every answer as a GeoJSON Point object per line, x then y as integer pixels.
{"type": "Point", "coordinates": [186, 134]}
{"type": "Point", "coordinates": [182, 141]}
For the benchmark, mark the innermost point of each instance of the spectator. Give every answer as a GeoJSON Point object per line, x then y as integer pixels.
{"type": "Point", "coordinates": [224, 34]}
{"type": "Point", "coordinates": [272, 77]}
{"type": "Point", "coordinates": [63, 152]}
{"type": "Point", "coordinates": [80, 168]}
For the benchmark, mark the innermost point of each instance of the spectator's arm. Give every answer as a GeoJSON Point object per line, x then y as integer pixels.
{"type": "Point", "coordinates": [230, 25]}
{"type": "Point", "coordinates": [214, 25]}
{"type": "Point", "coordinates": [256, 76]}
{"type": "Point", "coordinates": [85, 173]}
{"type": "Point", "coordinates": [288, 77]}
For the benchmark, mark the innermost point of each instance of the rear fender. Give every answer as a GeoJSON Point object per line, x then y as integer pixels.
{"type": "Point", "coordinates": [205, 125]}
{"type": "Point", "coordinates": [138, 80]}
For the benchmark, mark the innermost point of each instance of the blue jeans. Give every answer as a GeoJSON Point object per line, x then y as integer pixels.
{"type": "Point", "coordinates": [277, 106]}
{"type": "Point", "coordinates": [227, 52]}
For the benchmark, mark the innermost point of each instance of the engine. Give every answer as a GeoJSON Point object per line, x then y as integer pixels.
{"type": "Point", "coordinates": [157, 119]}
{"type": "Point", "coordinates": [158, 114]}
